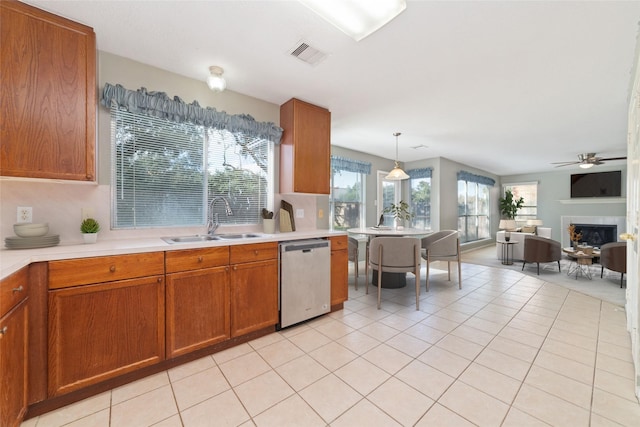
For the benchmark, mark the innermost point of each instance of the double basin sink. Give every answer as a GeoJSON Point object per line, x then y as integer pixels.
{"type": "Point", "coordinates": [209, 237]}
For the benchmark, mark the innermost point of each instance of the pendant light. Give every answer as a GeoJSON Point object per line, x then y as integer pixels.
{"type": "Point", "coordinates": [216, 82]}
{"type": "Point", "coordinates": [397, 174]}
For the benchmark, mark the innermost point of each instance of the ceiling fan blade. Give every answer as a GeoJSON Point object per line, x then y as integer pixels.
{"type": "Point", "coordinates": [614, 158]}
{"type": "Point", "coordinates": [560, 164]}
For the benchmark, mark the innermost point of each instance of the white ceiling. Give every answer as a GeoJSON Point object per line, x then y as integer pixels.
{"type": "Point", "coordinates": [504, 86]}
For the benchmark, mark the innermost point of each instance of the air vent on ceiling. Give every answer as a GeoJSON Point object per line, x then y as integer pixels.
{"type": "Point", "coordinates": [306, 53]}
{"type": "Point", "coordinates": [420, 147]}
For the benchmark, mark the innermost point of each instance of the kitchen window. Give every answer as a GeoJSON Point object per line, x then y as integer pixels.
{"type": "Point", "coordinates": [347, 198]}
{"type": "Point", "coordinates": [165, 173]}
{"type": "Point", "coordinates": [474, 206]}
{"type": "Point", "coordinates": [529, 193]}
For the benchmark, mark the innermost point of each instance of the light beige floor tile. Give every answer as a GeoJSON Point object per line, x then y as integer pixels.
{"type": "Point", "coordinates": [451, 315]}
{"type": "Point", "coordinates": [76, 410]}
{"type": "Point", "coordinates": [243, 368]}
{"type": "Point", "coordinates": [408, 344]}
{"type": "Point", "coordinates": [425, 333]}
{"type": "Point", "coordinates": [232, 353]}
{"type": "Point", "coordinates": [474, 405]}
{"type": "Point", "coordinates": [173, 421]}
{"type": "Point", "coordinates": [282, 352]}
{"type": "Point", "coordinates": [358, 342]}
{"type": "Point", "coordinates": [224, 408]}
{"type": "Point", "coordinates": [191, 368]}
{"type": "Point", "coordinates": [445, 361]}
{"type": "Point", "coordinates": [262, 392]}
{"type": "Point", "coordinates": [145, 409]}
{"type": "Point", "coordinates": [586, 330]}
{"type": "Point", "coordinates": [364, 413]}
{"type": "Point", "coordinates": [136, 388]}
{"type": "Point", "coordinates": [493, 383]}
{"type": "Point", "coordinates": [484, 325]}
{"type": "Point", "coordinates": [513, 348]}
{"type": "Point", "coordinates": [293, 411]}
{"type": "Point", "coordinates": [440, 416]}
{"type": "Point", "coordinates": [333, 355]}
{"type": "Point", "coordinates": [517, 418]}
{"type": "Point", "coordinates": [463, 308]}
{"type": "Point", "coordinates": [614, 365]}
{"type": "Point", "coordinates": [98, 419]}
{"type": "Point", "coordinates": [266, 340]}
{"type": "Point", "coordinates": [310, 340]}
{"type": "Point", "coordinates": [379, 331]}
{"type": "Point", "coordinates": [615, 351]}
{"type": "Point", "coordinates": [426, 379]}
{"type": "Point", "coordinates": [400, 401]}
{"type": "Point", "coordinates": [600, 421]}
{"type": "Point", "coordinates": [440, 323]}
{"type": "Point", "coordinates": [529, 327]}
{"type": "Point", "coordinates": [523, 336]}
{"type": "Point", "coordinates": [586, 357]}
{"type": "Point", "coordinates": [503, 363]}
{"type": "Point", "coordinates": [330, 397]}
{"type": "Point", "coordinates": [550, 409]}
{"type": "Point", "coordinates": [334, 329]}
{"type": "Point", "coordinates": [301, 372]}
{"type": "Point", "coordinates": [460, 346]}
{"type": "Point", "coordinates": [387, 358]}
{"type": "Point", "coordinates": [560, 386]}
{"type": "Point", "coordinates": [538, 319]}
{"type": "Point", "coordinates": [474, 335]}
{"type": "Point", "coordinates": [199, 387]}
{"type": "Point", "coordinates": [620, 338]}
{"type": "Point", "coordinates": [566, 367]}
{"type": "Point", "coordinates": [362, 375]}
{"type": "Point", "coordinates": [614, 384]}
{"type": "Point", "coordinates": [410, 314]}
{"type": "Point", "coordinates": [615, 408]}
{"type": "Point", "coordinates": [588, 343]}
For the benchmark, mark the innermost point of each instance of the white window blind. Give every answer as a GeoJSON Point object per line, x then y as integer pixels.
{"type": "Point", "coordinates": [165, 173]}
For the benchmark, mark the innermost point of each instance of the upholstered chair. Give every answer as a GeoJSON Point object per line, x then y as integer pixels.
{"type": "Point", "coordinates": [613, 256]}
{"type": "Point", "coordinates": [540, 249]}
{"type": "Point", "coordinates": [442, 246]}
{"type": "Point", "coordinates": [354, 254]}
{"type": "Point", "coordinates": [395, 255]}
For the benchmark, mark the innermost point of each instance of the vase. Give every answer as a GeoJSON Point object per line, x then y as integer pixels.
{"type": "Point", "coordinates": [90, 237]}
{"type": "Point", "coordinates": [399, 224]}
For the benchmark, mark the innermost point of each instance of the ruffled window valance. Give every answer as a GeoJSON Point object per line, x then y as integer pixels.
{"type": "Point", "coordinates": [158, 104]}
{"type": "Point", "coordinates": [470, 177]}
{"type": "Point", "coordinates": [350, 165]}
{"type": "Point", "coordinates": [420, 173]}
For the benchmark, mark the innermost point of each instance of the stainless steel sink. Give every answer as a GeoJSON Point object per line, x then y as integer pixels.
{"type": "Point", "coordinates": [190, 239]}
{"type": "Point", "coordinates": [207, 237]}
{"type": "Point", "coordinates": [238, 236]}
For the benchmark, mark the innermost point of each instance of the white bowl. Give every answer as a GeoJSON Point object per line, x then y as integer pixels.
{"type": "Point", "coordinates": [31, 229]}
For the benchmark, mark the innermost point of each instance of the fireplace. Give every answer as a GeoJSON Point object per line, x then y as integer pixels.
{"type": "Point", "coordinates": [597, 234]}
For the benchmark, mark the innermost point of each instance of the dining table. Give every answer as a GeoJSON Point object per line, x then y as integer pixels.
{"type": "Point", "coordinates": [389, 280]}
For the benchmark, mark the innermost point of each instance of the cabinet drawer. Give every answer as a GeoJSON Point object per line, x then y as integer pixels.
{"type": "Point", "coordinates": [13, 289]}
{"type": "Point", "coordinates": [195, 259]}
{"type": "Point", "coordinates": [253, 252]}
{"type": "Point", "coordinates": [339, 243]}
{"type": "Point", "coordinates": [83, 271]}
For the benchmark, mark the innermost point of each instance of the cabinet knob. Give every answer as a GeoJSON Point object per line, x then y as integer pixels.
{"type": "Point", "coordinates": [18, 289]}
{"type": "Point", "coordinates": [200, 259]}
{"type": "Point", "coordinates": [226, 269]}
{"type": "Point", "coordinates": [235, 267]}
{"type": "Point", "coordinates": [3, 331]}
{"type": "Point", "coordinates": [255, 252]}
{"type": "Point", "coordinates": [159, 279]}
{"type": "Point", "coordinates": [112, 269]}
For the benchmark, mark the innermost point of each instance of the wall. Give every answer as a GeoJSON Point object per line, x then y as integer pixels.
{"type": "Point", "coordinates": [60, 203]}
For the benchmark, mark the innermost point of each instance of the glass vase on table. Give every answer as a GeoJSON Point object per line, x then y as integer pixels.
{"type": "Point", "coordinates": [507, 236]}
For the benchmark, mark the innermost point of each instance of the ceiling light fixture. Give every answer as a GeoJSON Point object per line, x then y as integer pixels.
{"type": "Point", "coordinates": [586, 165]}
{"type": "Point", "coordinates": [396, 174]}
{"type": "Point", "coordinates": [357, 18]}
{"type": "Point", "coordinates": [216, 82]}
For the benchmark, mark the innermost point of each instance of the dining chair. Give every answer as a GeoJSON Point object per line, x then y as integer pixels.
{"type": "Point", "coordinates": [394, 255]}
{"type": "Point", "coordinates": [442, 245]}
{"type": "Point", "coordinates": [354, 255]}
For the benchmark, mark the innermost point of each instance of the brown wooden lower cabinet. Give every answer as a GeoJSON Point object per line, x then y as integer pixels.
{"type": "Point", "coordinates": [339, 270]}
{"type": "Point", "coordinates": [197, 309]}
{"type": "Point", "coordinates": [254, 296]}
{"type": "Point", "coordinates": [13, 365]}
{"type": "Point", "coordinates": [100, 331]}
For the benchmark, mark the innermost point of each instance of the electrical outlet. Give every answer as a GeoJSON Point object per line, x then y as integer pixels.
{"type": "Point", "coordinates": [25, 214]}
{"type": "Point", "coordinates": [299, 213]}
{"type": "Point", "coordinates": [320, 213]}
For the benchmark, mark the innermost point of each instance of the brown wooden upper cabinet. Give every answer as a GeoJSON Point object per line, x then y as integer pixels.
{"type": "Point", "coordinates": [305, 149]}
{"type": "Point", "coordinates": [48, 92]}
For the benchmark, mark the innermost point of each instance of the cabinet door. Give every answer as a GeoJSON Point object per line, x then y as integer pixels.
{"type": "Point", "coordinates": [100, 331]}
{"type": "Point", "coordinates": [13, 365]}
{"type": "Point", "coordinates": [197, 309]}
{"type": "Point", "coordinates": [48, 93]}
{"type": "Point", "coordinates": [305, 148]}
{"type": "Point", "coordinates": [339, 277]}
{"type": "Point", "coordinates": [254, 296]}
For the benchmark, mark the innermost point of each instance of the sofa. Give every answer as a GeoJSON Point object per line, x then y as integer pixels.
{"type": "Point", "coordinates": [518, 236]}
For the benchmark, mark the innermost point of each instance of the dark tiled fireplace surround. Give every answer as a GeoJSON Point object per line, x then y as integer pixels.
{"type": "Point", "coordinates": [597, 234]}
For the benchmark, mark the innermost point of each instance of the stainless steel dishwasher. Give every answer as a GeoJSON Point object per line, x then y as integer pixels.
{"type": "Point", "coordinates": [305, 280]}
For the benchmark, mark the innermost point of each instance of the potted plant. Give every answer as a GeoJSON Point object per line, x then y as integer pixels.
{"type": "Point", "coordinates": [89, 229]}
{"type": "Point", "coordinates": [400, 213]}
{"type": "Point", "coordinates": [509, 205]}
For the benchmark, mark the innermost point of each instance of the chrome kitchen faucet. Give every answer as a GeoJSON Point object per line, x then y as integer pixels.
{"type": "Point", "coordinates": [212, 222]}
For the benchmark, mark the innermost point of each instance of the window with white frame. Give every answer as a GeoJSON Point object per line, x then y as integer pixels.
{"type": "Point", "coordinates": [165, 173]}
{"type": "Point", "coordinates": [389, 192]}
{"type": "Point", "coordinates": [347, 198]}
{"type": "Point", "coordinates": [529, 193]}
{"type": "Point", "coordinates": [474, 206]}
{"type": "Point", "coordinates": [420, 199]}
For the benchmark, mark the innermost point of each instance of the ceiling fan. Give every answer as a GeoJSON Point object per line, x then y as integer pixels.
{"type": "Point", "coordinates": [587, 160]}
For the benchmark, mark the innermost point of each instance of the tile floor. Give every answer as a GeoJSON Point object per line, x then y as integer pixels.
{"type": "Point", "coordinates": [506, 350]}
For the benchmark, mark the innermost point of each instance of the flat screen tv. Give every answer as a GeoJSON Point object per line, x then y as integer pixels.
{"type": "Point", "coordinates": [598, 184]}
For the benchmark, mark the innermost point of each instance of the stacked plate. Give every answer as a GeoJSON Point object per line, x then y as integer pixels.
{"type": "Point", "coordinates": [32, 242]}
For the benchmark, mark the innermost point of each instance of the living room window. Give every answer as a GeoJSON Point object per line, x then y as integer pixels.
{"type": "Point", "coordinates": [347, 198]}
{"type": "Point", "coordinates": [420, 199]}
{"type": "Point", "coordinates": [474, 206]}
{"type": "Point", "coordinates": [529, 193]}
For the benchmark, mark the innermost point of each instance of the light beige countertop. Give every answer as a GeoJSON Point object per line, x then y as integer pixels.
{"type": "Point", "coordinates": [13, 260]}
